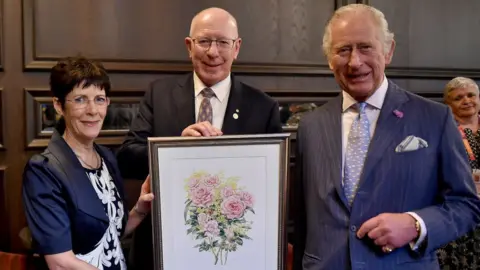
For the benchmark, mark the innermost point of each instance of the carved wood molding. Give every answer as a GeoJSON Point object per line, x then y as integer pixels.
{"type": "Point", "coordinates": [293, 104]}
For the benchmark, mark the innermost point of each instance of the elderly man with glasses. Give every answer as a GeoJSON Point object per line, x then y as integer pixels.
{"type": "Point", "coordinates": [209, 101]}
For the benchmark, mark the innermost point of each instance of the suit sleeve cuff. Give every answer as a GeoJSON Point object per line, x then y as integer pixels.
{"type": "Point", "coordinates": [423, 232]}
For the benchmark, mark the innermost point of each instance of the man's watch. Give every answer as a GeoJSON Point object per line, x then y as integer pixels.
{"type": "Point", "coordinates": [418, 228]}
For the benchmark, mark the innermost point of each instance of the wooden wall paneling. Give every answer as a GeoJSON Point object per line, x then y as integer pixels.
{"type": "Point", "coordinates": [2, 129]}
{"type": "Point", "coordinates": [12, 80]}
{"type": "Point", "coordinates": [340, 3]}
{"type": "Point", "coordinates": [294, 103]}
{"type": "Point", "coordinates": [435, 96]}
{"type": "Point", "coordinates": [34, 98]}
{"type": "Point", "coordinates": [283, 38]}
{"type": "Point", "coordinates": [443, 44]}
{"type": "Point", "coordinates": [4, 228]}
{"type": "Point", "coordinates": [41, 116]}
{"type": "Point", "coordinates": [1, 35]}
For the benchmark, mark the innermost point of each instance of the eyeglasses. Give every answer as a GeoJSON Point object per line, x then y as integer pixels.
{"type": "Point", "coordinates": [81, 102]}
{"type": "Point", "coordinates": [222, 44]}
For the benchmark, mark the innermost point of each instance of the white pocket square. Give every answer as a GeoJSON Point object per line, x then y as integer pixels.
{"type": "Point", "coordinates": [411, 143]}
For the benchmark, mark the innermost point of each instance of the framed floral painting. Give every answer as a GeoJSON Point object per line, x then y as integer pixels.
{"type": "Point", "coordinates": [220, 202]}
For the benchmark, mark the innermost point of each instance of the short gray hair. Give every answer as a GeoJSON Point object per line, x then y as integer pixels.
{"type": "Point", "coordinates": [458, 83]}
{"type": "Point", "coordinates": [376, 14]}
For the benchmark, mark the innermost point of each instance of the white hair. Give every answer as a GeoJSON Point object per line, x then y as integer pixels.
{"type": "Point", "coordinates": [376, 14]}
{"type": "Point", "coordinates": [458, 83]}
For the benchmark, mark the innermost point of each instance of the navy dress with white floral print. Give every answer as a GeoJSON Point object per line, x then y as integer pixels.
{"type": "Point", "coordinates": [464, 253]}
{"type": "Point", "coordinates": [107, 254]}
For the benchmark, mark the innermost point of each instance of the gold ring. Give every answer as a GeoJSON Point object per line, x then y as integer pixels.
{"type": "Point", "coordinates": [387, 249]}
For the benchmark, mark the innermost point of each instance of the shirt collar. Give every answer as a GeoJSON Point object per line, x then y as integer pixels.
{"type": "Point", "coordinates": [376, 100]}
{"type": "Point", "coordinates": [220, 89]}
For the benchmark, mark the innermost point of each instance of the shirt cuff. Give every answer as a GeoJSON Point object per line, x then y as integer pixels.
{"type": "Point", "coordinates": [423, 232]}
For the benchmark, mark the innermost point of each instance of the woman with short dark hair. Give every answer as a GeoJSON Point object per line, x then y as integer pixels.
{"type": "Point", "coordinates": [73, 192]}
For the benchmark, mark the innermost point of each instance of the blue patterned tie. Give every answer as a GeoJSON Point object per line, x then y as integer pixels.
{"type": "Point", "coordinates": [357, 147]}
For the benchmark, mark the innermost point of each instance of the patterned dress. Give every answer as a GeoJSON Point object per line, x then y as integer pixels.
{"type": "Point", "coordinates": [464, 253]}
{"type": "Point", "coordinates": [107, 253]}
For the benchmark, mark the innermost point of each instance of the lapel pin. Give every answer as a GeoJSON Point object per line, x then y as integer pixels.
{"type": "Point", "coordinates": [235, 116]}
{"type": "Point", "coordinates": [398, 113]}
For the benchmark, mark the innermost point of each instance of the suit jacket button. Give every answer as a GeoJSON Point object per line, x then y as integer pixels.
{"type": "Point", "coordinates": [353, 228]}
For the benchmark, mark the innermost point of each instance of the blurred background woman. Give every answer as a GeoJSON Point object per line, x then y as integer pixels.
{"type": "Point", "coordinates": [73, 192]}
{"type": "Point", "coordinates": [462, 95]}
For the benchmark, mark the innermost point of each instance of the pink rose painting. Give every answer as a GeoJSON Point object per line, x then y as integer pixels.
{"type": "Point", "coordinates": [201, 195]}
{"type": "Point", "coordinates": [216, 213]}
{"type": "Point", "coordinates": [233, 207]}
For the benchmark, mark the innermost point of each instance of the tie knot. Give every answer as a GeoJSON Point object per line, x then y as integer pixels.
{"type": "Point", "coordinates": [208, 92]}
{"type": "Point", "coordinates": [361, 107]}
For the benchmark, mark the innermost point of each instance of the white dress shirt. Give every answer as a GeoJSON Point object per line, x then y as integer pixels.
{"type": "Point", "coordinates": [374, 105]}
{"type": "Point", "coordinates": [219, 101]}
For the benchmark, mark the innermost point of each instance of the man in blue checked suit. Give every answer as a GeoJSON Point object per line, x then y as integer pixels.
{"type": "Point", "coordinates": [383, 177]}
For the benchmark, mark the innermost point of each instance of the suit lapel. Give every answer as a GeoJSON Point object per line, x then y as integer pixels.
{"type": "Point", "coordinates": [387, 125]}
{"type": "Point", "coordinates": [86, 198]}
{"type": "Point", "coordinates": [184, 102]}
{"type": "Point", "coordinates": [333, 122]}
{"type": "Point", "coordinates": [234, 106]}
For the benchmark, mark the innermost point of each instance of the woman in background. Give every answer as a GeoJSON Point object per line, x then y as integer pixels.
{"type": "Point", "coordinates": [462, 95]}
{"type": "Point", "coordinates": [73, 192]}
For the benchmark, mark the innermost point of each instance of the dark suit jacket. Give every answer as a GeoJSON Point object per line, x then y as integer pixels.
{"type": "Point", "coordinates": [62, 208]}
{"type": "Point", "coordinates": [166, 110]}
{"type": "Point", "coordinates": [435, 182]}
